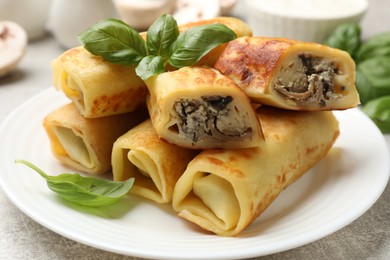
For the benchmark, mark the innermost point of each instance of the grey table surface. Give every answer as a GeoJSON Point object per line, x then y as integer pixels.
{"type": "Point", "coordinates": [368, 237]}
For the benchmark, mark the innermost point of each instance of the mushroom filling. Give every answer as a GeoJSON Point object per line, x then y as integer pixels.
{"type": "Point", "coordinates": [308, 80]}
{"type": "Point", "coordinates": [209, 116]}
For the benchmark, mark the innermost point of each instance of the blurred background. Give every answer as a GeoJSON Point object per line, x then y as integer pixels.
{"type": "Point", "coordinates": [65, 19]}
{"type": "Point", "coordinates": [310, 20]}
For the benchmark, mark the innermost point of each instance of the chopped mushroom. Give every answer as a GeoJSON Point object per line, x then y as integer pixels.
{"type": "Point", "coordinates": [13, 42]}
{"type": "Point", "coordinates": [210, 116]}
{"type": "Point", "coordinates": [308, 80]}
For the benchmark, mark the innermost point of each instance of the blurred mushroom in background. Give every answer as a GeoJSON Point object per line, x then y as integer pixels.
{"type": "Point", "coordinates": [13, 43]}
{"type": "Point", "coordinates": [32, 15]}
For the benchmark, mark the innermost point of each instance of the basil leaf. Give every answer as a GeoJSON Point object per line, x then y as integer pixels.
{"type": "Point", "coordinates": [86, 191]}
{"type": "Point", "coordinates": [150, 66]}
{"type": "Point", "coordinates": [363, 86]}
{"type": "Point", "coordinates": [346, 37]}
{"type": "Point", "coordinates": [196, 42]}
{"type": "Point", "coordinates": [160, 36]}
{"type": "Point", "coordinates": [373, 78]}
{"type": "Point", "coordinates": [115, 41]}
{"type": "Point", "coordinates": [379, 111]}
{"type": "Point", "coordinates": [376, 46]}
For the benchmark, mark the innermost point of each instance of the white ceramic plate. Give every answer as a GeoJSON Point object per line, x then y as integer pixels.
{"type": "Point", "coordinates": [333, 194]}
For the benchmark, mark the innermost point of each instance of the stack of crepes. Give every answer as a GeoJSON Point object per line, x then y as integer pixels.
{"type": "Point", "coordinates": [219, 140]}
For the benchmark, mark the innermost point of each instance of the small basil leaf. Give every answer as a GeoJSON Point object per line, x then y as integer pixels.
{"type": "Point", "coordinates": [346, 37]}
{"type": "Point", "coordinates": [196, 42]}
{"type": "Point", "coordinates": [86, 191]}
{"type": "Point", "coordinates": [115, 41]}
{"type": "Point", "coordinates": [160, 36]}
{"type": "Point", "coordinates": [363, 86]}
{"type": "Point", "coordinates": [376, 46]}
{"type": "Point", "coordinates": [379, 111]}
{"type": "Point", "coordinates": [373, 78]}
{"type": "Point", "coordinates": [150, 66]}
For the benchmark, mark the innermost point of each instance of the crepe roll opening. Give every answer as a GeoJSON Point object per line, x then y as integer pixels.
{"type": "Point", "coordinates": [74, 146]}
{"type": "Point", "coordinates": [217, 199]}
{"type": "Point", "coordinates": [144, 170]}
{"type": "Point", "coordinates": [68, 85]}
{"type": "Point", "coordinates": [309, 79]}
{"type": "Point", "coordinates": [216, 117]}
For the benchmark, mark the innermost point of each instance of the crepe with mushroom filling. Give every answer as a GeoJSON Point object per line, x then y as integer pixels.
{"type": "Point", "coordinates": [155, 164]}
{"type": "Point", "coordinates": [85, 144]}
{"type": "Point", "coordinates": [291, 74]}
{"type": "Point", "coordinates": [200, 108]}
{"type": "Point", "coordinates": [225, 190]}
{"type": "Point", "coordinates": [97, 87]}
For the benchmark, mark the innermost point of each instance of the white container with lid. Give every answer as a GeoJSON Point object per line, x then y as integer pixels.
{"type": "Point", "coordinates": [140, 14]}
{"type": "Point", "coordinates": [306, 20]}
{"type": "Point", "coordinates": [32, 15]}
{"type": "Point", "coordinates": [69, 18]}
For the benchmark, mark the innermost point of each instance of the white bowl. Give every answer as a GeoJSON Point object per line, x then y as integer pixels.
{"type": "Point", "coordinates": [140, 14]}
{"type": "Point", "coordinates": [188, 11]}
{"type": "Point", "coordinates": [227, 6]}
{"type": "Point", "coordinates": [306, 20]}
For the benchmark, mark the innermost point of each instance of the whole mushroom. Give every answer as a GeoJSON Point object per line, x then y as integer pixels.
{"type": "Point", "coordinates": [13, 42]}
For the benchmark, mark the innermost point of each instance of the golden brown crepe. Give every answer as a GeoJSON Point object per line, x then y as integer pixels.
{"type": "Point", "coordinates": [197, 107]}
{"type": "Point", "coordinates": [155, 164]}
{"type": "Point", "coordinates": [85, 144]}
{"type": "Point", "coordinates": [97, 87]}
{"type": "Point", "coordinates": [225, 190]}
{"type": "Point", "coordinates": [291, 74]}
{"type": "Point", "coordinates": [236, 25]}
{"type": "Point", "coordinates": [100, 88]}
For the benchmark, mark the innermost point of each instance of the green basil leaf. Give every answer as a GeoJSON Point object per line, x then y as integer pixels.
{"type": "Point", "coordinates": [86, 191]}
{"type": "Point", "coordinates": [160, 36]}
{"type": "Point", "coordinates": [379, 111]}
{"type": "Point", "coordinates": [376, 46]}
{"type": "Point", "coordinates": [363, 86]}
{"type": "Point", "coordinates": [115, 41]}
{"type": "Point", "coordinates": [150, 66]}
{"type": "Point", "coordinates": [373, 78]}
{"type": "Point", "coordinates": [346, 37]}
{"type": "Point", "coordinates": [196, 42]}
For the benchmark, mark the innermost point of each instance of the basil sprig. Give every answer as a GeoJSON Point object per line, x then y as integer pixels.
{"type": "Point", "coordinates": [86, 191]}
{"type": "Point", "coordinates": [193, 44]}
{"type": "Point", "coordinates": [346, 37]}
{"type": "Point", "coordinates": [379, 111]}
{"type": "Point", "coordinates": [117, 42]}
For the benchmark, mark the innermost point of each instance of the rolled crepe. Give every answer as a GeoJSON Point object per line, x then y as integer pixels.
{"type": "Point", "coordinates": [155, 164]}
{"type": "Point", "coordinates": [223, 191]}
{"type": "Point", "coordinates": [86, 144]}
{"type": "Point", "coordinates": [291, 74]}
{"type": "Point", "coordinates": [199, 108]}
{"type": "Point", "coordinates": [100, 88]}
{"type": "Point", "coordinates": [97, 87]}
